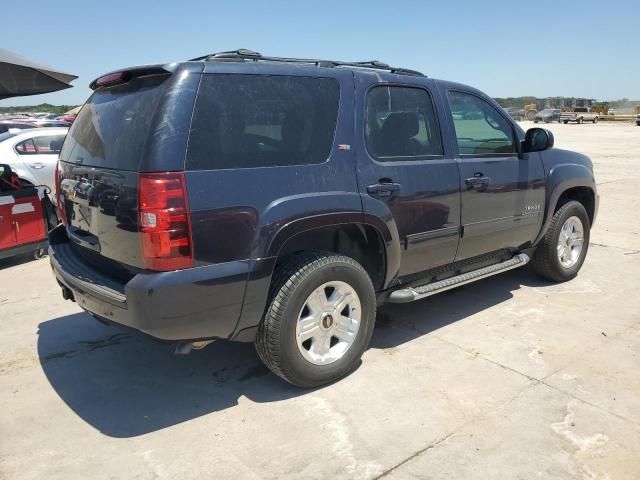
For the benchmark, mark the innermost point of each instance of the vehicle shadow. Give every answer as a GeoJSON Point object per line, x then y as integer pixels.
{"type": "Point", "coordinates": [125, 384]}
{"type": "Point", "coordinates": [16, 260]}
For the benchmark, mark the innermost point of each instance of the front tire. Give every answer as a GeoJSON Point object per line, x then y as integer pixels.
{"type": "Point", "coordinates": [319, 320]}
{"type": "Point", "coordinates": [562, 251]}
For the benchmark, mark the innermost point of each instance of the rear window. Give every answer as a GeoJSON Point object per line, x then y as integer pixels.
{"type": "Point", "coordinates": [112, 127]}
{"type": "Point", "coordinates": [249, 121]}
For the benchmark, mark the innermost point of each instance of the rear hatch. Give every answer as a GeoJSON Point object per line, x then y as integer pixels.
{"type": "Point", "coordinates": [137, 121]}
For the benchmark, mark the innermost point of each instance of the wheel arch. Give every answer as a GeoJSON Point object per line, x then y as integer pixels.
{"type": "Point", "coordinates": [361, 241]}
{"type": "Point", "coordinates": [351, 236]}
{"type": "Point", "coordinates": [569, 182]}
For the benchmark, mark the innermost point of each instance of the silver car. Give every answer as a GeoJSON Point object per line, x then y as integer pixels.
{"type": "Point", "coordinates": [33, 153]}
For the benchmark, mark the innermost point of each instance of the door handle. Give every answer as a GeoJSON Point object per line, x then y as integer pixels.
{"type": "Point", "coordinates": [480, 181]}
{"type": "Point", "coordinates": [37, 165]}
{"type": "Point", "coordinates": [383, 189]}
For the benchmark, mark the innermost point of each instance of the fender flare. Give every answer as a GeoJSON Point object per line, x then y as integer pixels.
{"type": "Point", "coordinates": [336, 219]}
{"type": "Point", "coordinates": [259, 279]}
{"type": "Point", "coordinates": [561, 178]}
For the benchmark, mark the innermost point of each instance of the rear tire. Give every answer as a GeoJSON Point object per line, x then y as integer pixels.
{"type": "Point", "coordinates": [306, 336]}
{"type": "Point", "coordinates": [553, 257]}
{"type": "Point", "coordinates": [595, 120]}
{"type": "Point", "coordinates": [579, 121]}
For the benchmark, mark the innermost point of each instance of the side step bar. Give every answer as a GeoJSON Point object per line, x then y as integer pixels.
{"type": "Point", "coordinates": [406, 295]}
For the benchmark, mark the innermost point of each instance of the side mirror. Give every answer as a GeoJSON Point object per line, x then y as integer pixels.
{"type": "Point", "coordinates": [537, 140]}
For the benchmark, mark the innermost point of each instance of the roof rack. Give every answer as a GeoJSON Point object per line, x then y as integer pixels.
{"type": "Point", "coordinates": [244, 55]}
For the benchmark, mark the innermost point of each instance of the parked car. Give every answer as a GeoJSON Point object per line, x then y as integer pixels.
{"type": "Point", "coordinates": [33, 154]}
{"type": "Point", "coordinates": [516, 114]}
{"type": "Point", "coordinates": [66, 118]}
{"type": "Point", "coordinates": [579, 115]}
{"type": "Point", "coordinates": [638, 120]}
{"type": "Point", "coordinates": [548, 115]}
{"type": "Point", "coordinates": [279, 201]}
{"type": "Point", "coordinates": [50, 123]}
{"type": "Point", "coordinates": [9, 125]}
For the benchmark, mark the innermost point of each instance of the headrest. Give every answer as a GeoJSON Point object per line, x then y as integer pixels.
{"type": "Point", "coordinates": [401, 124]}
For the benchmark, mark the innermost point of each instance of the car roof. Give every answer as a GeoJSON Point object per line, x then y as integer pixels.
{"type": "Point", "coordinates": [253, 62]}
{"type": "Point", "coordinates": [39, 132]}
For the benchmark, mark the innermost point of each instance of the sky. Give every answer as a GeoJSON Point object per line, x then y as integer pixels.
{"type": "Point", "coordinates": [580, 48]}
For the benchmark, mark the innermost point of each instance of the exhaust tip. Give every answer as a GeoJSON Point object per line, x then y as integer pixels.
{"type": "Point", "coordinates": [184, 348]}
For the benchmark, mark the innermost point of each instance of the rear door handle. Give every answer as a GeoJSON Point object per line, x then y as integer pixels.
{"type": "Point", "coordinates": [383, 189]}
{"type": "Point", "coordinates": [37, 165]}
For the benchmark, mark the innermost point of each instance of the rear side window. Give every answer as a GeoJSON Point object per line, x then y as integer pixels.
{"type": "Point", "coordinates": [27, 147]}
{"type": "Point", "coordinates": [49, 144]}
{"type": "Point", "coordinates": [249, 121]}
{"type": "Point", "coordinates": [112, 127]}
{"type": "Point", "coordinates": [401, 124]}
{"type": "Point", "coordinates": [480, 129]}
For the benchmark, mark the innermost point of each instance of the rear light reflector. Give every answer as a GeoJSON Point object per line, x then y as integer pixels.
{"type": "Point", "coordinates": [163, 216]}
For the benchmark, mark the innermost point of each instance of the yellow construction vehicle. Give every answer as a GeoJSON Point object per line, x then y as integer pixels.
{"type": "Point", "coordinates": [530, 111]}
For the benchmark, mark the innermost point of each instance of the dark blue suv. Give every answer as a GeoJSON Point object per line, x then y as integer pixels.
{"type": "Point", "coordinates": [279, 201]}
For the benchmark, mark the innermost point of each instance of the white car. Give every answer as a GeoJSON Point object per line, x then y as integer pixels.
{"type": "Point", "coordinates": [33, 153]}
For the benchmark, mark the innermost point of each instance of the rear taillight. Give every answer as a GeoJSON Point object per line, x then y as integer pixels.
{"type": "Point", "coordinates": [58, 196]}
{"type": "Point", "coordinates": [163, 216]}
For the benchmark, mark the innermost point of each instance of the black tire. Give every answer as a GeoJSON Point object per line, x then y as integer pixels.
{"type": "Point", "coordinates": [40, 253]}
{"type": "Point", "coordinates": [579, 122]}
{"type": "Point", "coordinates": [292, 284]}
{"type": "Point", "coordinates": [545, 260]}
{"type": "Point", "coordinates": [565, 121]}
{"type": "Point", "coordinates": [595, 120]}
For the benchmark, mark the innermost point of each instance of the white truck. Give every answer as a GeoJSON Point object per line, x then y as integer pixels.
{"type": "Point", "coordinates": [579, 115]}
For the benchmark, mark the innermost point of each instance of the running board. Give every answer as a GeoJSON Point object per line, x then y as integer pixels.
{"type": "Point", "coordinates": [405, 295]}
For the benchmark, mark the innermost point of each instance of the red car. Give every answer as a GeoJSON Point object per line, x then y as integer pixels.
{"type": "Point", "coordinates": [66, 118]}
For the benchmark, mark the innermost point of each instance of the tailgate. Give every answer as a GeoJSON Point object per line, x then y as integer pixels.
{"type": "Point", "coordinates": [99, 167]}
{"type": "Point", "coordinates": [100, 206]}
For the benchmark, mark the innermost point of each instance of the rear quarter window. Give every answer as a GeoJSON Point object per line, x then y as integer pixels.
{"type": "Point", "coordinates": [250, 121]}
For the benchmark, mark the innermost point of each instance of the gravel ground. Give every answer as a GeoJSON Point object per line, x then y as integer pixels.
{"type": "Point", "coordinates": [510, 377]}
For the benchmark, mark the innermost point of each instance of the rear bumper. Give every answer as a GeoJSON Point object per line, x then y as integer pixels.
{"type": "Point", "coordinates": [191, 304]}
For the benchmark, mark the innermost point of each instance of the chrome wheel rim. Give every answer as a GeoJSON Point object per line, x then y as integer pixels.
{"type": "Point", "coordinates": [570, 242]}
{"type": "Point", "coordinates": [328, 323]}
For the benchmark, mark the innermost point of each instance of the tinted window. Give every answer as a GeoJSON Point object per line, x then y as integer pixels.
{"type": "Point", "coordinates": [26, 147]}
{"type": "Point", "coordinates": [248, 121]}
{"type": "Point", "coordinates": [49, 144]}
{"type": "Point", "coordinates": [480, 129]}
{"type": "Point", "coordinates": [112, 127]}
{"type": "Point", "coordinates": [401, 124]}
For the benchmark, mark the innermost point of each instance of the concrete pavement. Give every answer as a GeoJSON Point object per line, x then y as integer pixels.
{"type": "Point", "coordinates": [511, 377]}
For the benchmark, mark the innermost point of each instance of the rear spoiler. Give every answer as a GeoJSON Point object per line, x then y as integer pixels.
{"type": "Point", "coordinates": [119, 77]}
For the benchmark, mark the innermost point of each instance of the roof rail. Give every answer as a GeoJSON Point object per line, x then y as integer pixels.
{"type": "Point", "coordinates": [244, 55]}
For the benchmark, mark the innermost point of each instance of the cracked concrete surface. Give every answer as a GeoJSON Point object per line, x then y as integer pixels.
{"type": "Point", "coordinates": [510, 377]}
